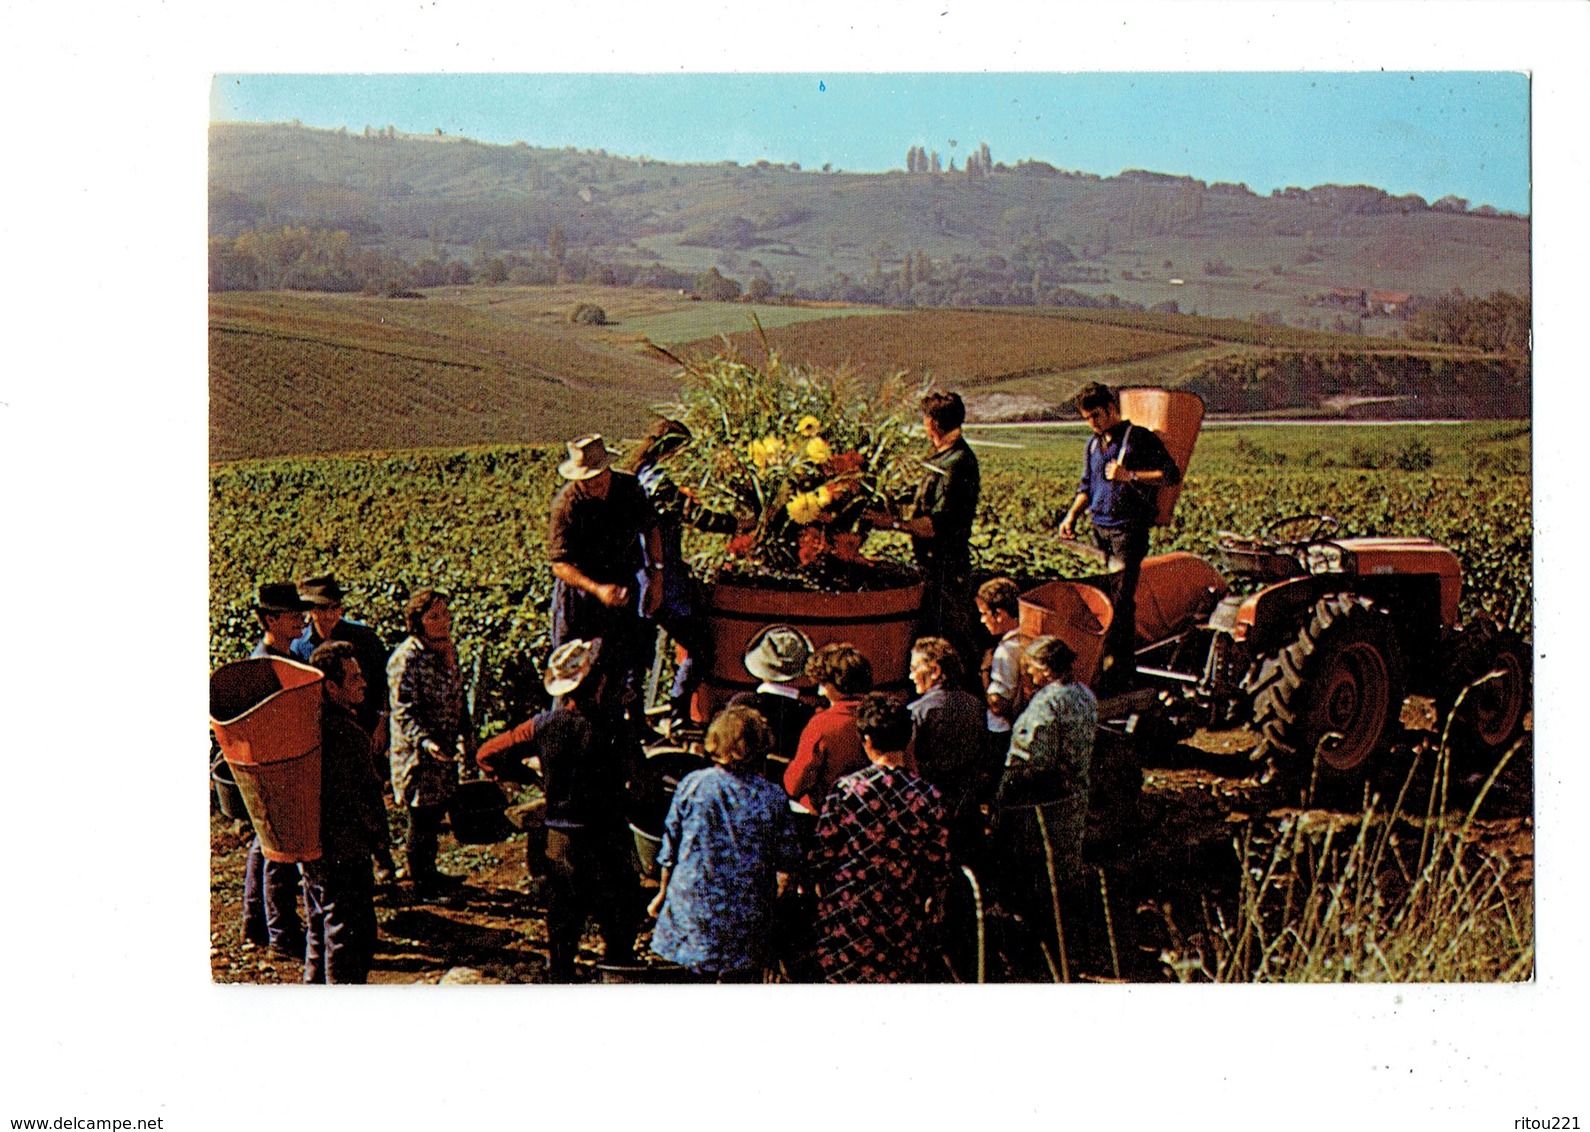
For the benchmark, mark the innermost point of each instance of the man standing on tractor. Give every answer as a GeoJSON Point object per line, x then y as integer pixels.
{"type": "Point", "coordinates": [1122, 470]}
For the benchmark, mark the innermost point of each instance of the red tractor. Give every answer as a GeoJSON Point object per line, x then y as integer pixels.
{"type": "Point", "coordinates": [1312, 640]}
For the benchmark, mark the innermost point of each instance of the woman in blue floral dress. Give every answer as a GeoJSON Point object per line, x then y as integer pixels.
{"type": "Point", "coordinates": [728, 837]}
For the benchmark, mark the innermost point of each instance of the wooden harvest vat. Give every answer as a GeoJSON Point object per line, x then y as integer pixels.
{"type": "Point", "coordinates": [881, 624]}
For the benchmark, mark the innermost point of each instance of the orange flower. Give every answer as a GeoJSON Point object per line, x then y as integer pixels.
{"type": "Point", "coordinates": [844, 464]}
{"type": "Point", "coordinates": [813, 545]}
{"type": "Point", "coordinates": [847, 546]}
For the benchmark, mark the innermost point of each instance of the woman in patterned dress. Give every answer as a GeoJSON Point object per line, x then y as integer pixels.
{"type": "Point", "coordinates": [429, 739]}
{"type": "Point", "coordinates": [728, 846]}
{"type": "Point", "coordinates": [881, 853]}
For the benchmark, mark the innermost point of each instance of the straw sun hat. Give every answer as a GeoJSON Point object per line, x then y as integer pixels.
{"type": "Point", "coordinates": [569, 665]}
{"type": "Point", "coordinates": [778, 653]}
{"type": "Point", "coordinates": [588, 457]}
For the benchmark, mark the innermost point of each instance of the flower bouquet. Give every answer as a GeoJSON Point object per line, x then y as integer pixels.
{"type": "Point", "coordinates": [799, 454]}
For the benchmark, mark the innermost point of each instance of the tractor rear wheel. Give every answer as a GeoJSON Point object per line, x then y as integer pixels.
{"type": "Point", "coordinates": [1335, 692]}
{"type": "Point", "coordinates": [1489, 668]}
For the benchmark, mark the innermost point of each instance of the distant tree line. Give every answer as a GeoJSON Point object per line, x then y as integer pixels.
{"type": "Point", "coordinates": [317, 259]}
{"type": "Point", "coordinates": [1499, 322]}
{"type": "Point", "coordinates": [979, 163]}
{"type": "Point", "coordinates": [1039, 272]}
{"type": "Point", "coordinates": [1421, 386]}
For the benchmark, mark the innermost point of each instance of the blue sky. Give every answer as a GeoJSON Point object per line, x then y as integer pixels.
{"type": "Point", "coordinates": [1431, 133]}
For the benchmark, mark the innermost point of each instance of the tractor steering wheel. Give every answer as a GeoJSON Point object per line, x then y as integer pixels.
{"type": "Point", "coordinates": [1291, 529]}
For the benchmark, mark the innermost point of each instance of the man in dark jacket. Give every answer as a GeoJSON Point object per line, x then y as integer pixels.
{"type": "Point", "coordinates": [339, 889]}
{"type": "Point", "coordinates": [328, 622]}
{"type": "Point", "coordinates": [577, 756]}
{"type": "Point", "coordinates": [603, 533]}
{"type": "Point", "coordinates": [1121, 470]}
{"type": "Point", "coordinates": [940, 527]}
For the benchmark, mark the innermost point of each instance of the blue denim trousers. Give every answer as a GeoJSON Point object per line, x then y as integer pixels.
{"type": "Point", "coordinates": [270, 901]}
{"type": "Point", "coordinates": [340, 899]}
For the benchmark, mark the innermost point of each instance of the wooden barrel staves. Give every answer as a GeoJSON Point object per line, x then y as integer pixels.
{"type": "Point", "coordinates": [881, 624]}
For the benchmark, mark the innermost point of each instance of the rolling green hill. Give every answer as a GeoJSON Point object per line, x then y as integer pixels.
{"type": "Point", "coordinates": [1023, 234]}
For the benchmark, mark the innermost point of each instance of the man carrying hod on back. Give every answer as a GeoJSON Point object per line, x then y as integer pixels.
{"type": "Point", "coordinates": [1122, 469]}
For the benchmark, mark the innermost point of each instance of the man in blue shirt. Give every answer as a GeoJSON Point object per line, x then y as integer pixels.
{"type": "Point", "coordinates": [328, 621]}
{"type": "Point", "coordinates": [1122, 470]}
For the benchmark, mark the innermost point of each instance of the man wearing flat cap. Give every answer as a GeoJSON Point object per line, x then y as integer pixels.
{"type": "Point", "coordinates": [603, 533]}
{"type": "Point", "coordinates": [328, 622]}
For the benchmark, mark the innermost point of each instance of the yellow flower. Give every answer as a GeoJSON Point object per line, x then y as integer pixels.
{"type": "Point", "coordinates": [825, 496]}
{"type": "Point", "coordinates": [804, 507]}
{"type": "Point", "coordinates": [809, 426]}
{"type": "Point", "coordinates": [765, 451]}
{"type": "Point", "coordinates": [817, 450]}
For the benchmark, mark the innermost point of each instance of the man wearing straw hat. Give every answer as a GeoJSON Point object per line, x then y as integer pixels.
{"type": "Point", "coordinates": [604, 532]}
{"type": "Point", "coordinates": [581, 770]}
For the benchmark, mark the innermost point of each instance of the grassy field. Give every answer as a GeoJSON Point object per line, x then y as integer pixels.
{"type": "Point", "coordinates": [703, 321]}
{"type": "Point", "coordinates": [972, 349]}
{"type": "Point", "coordinates": [295, 373]}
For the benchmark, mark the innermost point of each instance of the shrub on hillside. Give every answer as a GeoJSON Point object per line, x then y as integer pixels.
{"type": "Point", "coordinates": [590, 314]}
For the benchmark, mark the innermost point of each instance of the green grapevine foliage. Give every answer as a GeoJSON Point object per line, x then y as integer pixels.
{"type": "Point", "coordinates": [473, 522]}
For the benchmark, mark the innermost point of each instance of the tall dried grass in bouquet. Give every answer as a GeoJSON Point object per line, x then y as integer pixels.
{"type": "Point", "coordinates": [802, 452]}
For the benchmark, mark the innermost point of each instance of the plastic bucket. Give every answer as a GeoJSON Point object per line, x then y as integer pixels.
{"type": "Point", "coordinates": [647, 847]}
{"type": "Point", "coordinates": [651, 789]}
{"type": "Point", "coordinates": [265, 713]}
{"type": "Point", "coordinates": [655, 974]}
{"type": "Point", "coordinates": [227, 796]}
